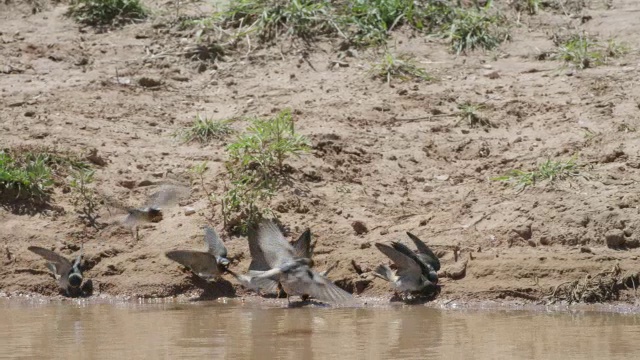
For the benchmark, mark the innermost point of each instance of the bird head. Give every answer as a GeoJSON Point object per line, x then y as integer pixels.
{"type": "Point", "coordinates": [432, 276]}
{"type": "Point", "coordinates": [75, 280]}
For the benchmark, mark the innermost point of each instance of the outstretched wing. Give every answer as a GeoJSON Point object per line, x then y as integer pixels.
{"type": "Point", "coordinates": [258, 262]}
{"type": "Point", "coordinates": [324, 289]}
{"type": "Point", "coordinates": [425, 251]}
{"type": "Point", "coordinates": [302, 247]}
{"type": "Point", "coordinates": [201, 263]}
{"type": "Point", "coordinates": [406, 265]}
{"type": "Point", "coordinates": [167, 195]}
{"type": "Point", "coordinates": [276, 249]}
{"type": "Point", "coordinates": [61, 265]}
{"type": "Point", "coordinates": [214, 243]}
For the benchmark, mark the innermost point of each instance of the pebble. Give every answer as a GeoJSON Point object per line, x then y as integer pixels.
{"type": "Point", "coordinates": [524, 231]}
{"type": "Point", "coordinates": [359, 227]}
{"type": "Point", "coordinates": [188, 211]}
{"type": "Point", "coordinates": [614, 238]}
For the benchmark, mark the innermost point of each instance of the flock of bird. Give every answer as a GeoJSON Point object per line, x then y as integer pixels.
{"type": "Point", "coordinates": [276, 264]}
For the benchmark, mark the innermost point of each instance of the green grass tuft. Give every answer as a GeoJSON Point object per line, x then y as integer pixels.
{"type": "Point", "coordinates": [399, 67]}
{"type": "Point", "coordinates": [585, 52]}
{"type": "Point", "coordinates": [106, 12]}
{"type": "Point", "coordinates": [205, 130]}
{"type": "Point", "coordinates": [29, 173]}
{"type": "Point", "coordinates": [472, 30]}
{"type": "Point", "coordinates": [549, 170]}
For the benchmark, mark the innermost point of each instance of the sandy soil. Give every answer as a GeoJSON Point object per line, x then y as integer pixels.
{"type": "Point", "coordinates": [380, 155]}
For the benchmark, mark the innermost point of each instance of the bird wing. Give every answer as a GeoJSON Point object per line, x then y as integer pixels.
{"type": "Point", "coordinates": [214, 243]}
{"type": "Point", "coordinates": [302, 247]}
{"type": "Point", "coordinates": [322, 288]}
{"type": "Point", "coordinates": [424, 265]}
{"type": "Point", "coordinates": [406, 265]}
{"type": "Point", "coordinates": [276, 249]}
{"type": "Point", "coordinates": [201, 263]}
{"type": "Point", "coordinates": [424, 250]}
{"type": "Point", "coordinates": [61, 264]}
{"type": "Point", "coordinates": [167, 195]}
{"type": "Point", "coordinates": [258, 262]}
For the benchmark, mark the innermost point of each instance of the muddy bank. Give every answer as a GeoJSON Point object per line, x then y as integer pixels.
{"type": "Point", "coordinates": [379, 155]}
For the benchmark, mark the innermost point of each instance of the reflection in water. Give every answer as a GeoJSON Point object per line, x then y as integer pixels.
{"type": "Point", "coordinates": [224, 331]}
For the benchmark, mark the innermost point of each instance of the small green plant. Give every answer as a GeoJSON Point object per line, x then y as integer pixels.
{"type": "Point", "coordinates": [270, 19]}
{"type": "Point", "coordinates": [530, 6]}
{"type": "Point", "coordinates": [205, 130]}
{"type": "Point", "coordinates": [581, 51]}
{"type": "Point", "coordinates": [549, 170]}
{"type": "Point", "coordinates": [84, 196]}
{"type": "Point", "coordinates": [401, 67]}
{"type": "Point", "coordinates": [256, 166]}
{"type": "Point", "coordinates": [29, 173]}
{"type": "Point", "coordinates": [470, 113]}
{"type": "Point", "coordinates": [27, 177]}
{"type": "Point", "coordinates": [475, 29]}
{"type": "Point", "coordinates": [106, 12]}
{"type": "Point", "coordinates": [585, 52]}
{"type": "Point", "coordinates": [198, 172]}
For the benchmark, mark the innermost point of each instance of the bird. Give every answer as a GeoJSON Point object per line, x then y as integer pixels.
{"type": "Point", "coordinates": [303, 248]}
{"type": "Point", "coordinates": [428, 261]}
{"type": "Point", "coordinates": [151, 211]}
{"type": "Point", "coordinates": [68, 274]}
{"type": "Point", "coordinates": [416, 273]}
{"type": "Point", "coordinates": [284, 266]}
{"type": "Point", "coordinates": [210, 264]}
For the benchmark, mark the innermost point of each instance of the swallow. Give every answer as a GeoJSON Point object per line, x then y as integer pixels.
{"type": "Point", "coordinates": [428, 261]}
{"type": "Point", "coordinates": [409, 277]}
{"type": "Point", "coordinates": [292, 272]}
{"type": "Point", "coordinates": [68, 274]}
{"type": "Point", "coordinates": [168, 195]}
{"type": "Point", "coordinates": [210, 264]}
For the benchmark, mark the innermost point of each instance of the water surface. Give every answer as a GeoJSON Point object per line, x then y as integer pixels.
{"type": "Point", "coordinates": [234, 330]}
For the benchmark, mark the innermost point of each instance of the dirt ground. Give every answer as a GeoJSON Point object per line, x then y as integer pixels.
{"type": "Point", "coordinates": [391, 156]}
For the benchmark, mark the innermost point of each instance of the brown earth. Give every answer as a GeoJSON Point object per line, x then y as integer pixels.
{"type": "Point", "coordinates": [391, 156]}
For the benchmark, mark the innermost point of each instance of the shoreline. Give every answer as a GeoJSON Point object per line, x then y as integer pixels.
{"type": "Point", "coordinates": [364, 302]}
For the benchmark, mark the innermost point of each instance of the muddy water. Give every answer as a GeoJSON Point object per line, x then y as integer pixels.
{"type": "Point", "coordinates": [236, 331]}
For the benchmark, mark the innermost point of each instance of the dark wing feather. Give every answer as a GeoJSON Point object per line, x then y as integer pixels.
{"type": "Point", "coordinates": [62, 264]}
{"type": "Point", "coordinates": [424, 250]}
{"type": "Point", "coordinates": [406, 265]}
{"type": "Point", "coordinates": [201, 263]}
{"type": "Point", "coordinates": [214, 243]}
{"type": "Point", "coordinates": [410, 253]}
{"type": "Point", "coordinates": [302, 247]}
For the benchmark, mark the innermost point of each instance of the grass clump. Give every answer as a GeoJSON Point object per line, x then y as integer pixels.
{"type": "Point", "coordinates": [29, 173]}
{"type": "Point", "coordinates": [205, 130]}
{"type": "Point", "coordinates": [470, 113]}
{"type": "Point", "coordinates": [532, 7]}
{"type": "Point", "coordinates": [476, 29]}
{"type": "Point", "coordinates": [270, 19]}
{"type": "Point", "coordinates": [256, 166]}
{"type": "Point", "coordinates": [85, 199]}
{"type": "Point", "coordinates": [584, 52]}
{"type": "Point", "coordinates": [27, 178]}
{"type": "Point", "coordinates": [106, 12]}
{"type": "Point", "coordinates": [399, 67]}
{"type": "Point", "coordinates": [550, 171]}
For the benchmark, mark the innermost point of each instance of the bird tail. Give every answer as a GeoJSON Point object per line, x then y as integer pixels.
{"type": "Point", "coordinates": [383, 272]}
